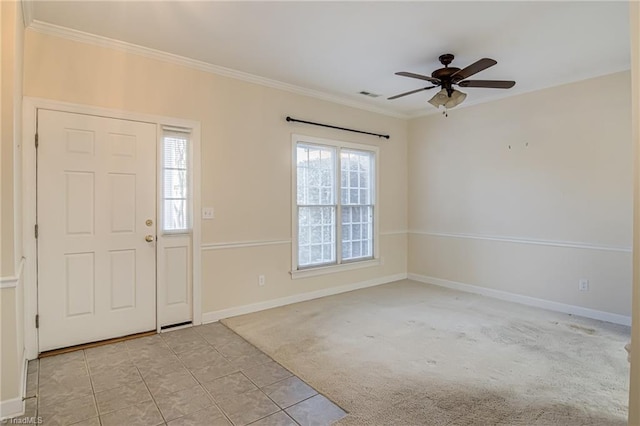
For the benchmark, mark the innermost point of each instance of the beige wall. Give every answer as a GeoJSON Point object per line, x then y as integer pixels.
{"type": "Point", "coordinates": [275, 263]}
{"type": "Point", "coordinates": [10, 368]}
{"type": "Point", "coordinates": [634, 391]}
{"type": "Point", "coordinates": [246, 158]}
{"type": "Point", "coordinates": [552, 165]}
{"type": "Point", "coordinates": [570, 184]}
{"type": "Point", "coordinates": [7, 126]}
{"type": "Point", "coordinates": [11, 299]}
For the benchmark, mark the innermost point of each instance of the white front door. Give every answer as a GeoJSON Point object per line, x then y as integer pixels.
{"type": "Point", "coordinates": [96, 207]}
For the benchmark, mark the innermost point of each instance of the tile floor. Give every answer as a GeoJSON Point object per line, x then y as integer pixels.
{"type": "Point", "coordinates": [205, 375]}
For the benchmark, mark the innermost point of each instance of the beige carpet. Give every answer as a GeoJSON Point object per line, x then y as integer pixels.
{"type": "Point", "coordinates": [407, 353]}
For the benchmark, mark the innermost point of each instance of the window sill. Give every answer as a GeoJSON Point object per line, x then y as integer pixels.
{"type": "Point", "coordinates": [323, 270]}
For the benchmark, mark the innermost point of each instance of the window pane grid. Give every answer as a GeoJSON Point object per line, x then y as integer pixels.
{"type": "Point", "coordinates": [316, 235]}
{"type": "Point", "coordinates": [355, 185]}
{"type": "Point", "coordinates": [315, 175]}
{"type": "Point", "coordinates": [175, 187]}
{"type": "Point", "coordinates": [357, 232]}
{"type": "Point", "coordinates": [318, 209]}
{"type": "Point", "coordinates": [357, 208]}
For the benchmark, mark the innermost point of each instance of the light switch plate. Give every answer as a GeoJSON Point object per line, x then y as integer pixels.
{"type": "Point", "coordinates": [207, 213]}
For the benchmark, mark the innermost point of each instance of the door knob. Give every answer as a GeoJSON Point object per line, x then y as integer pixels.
{"type": "Point", "coordinates": [149, 238]}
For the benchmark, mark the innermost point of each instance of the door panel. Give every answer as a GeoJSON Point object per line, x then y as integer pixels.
{"type": "Point", "coordinates": [174, 279]}
{"type": "Point", "coordinates": [122, 278]}
{"type": "Point", "coordinates": [96, 190]}
{"type": "Point", "coordinates": [122, 188]}
{"type": "Point", "coordinates": [80, 283]}
{"type": "Point", "coordinates": [79, 201]}
{"type": "Point", "coordinates": [177, 274]}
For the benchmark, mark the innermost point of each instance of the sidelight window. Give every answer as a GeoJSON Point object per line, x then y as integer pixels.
{"type": "Point", "coordinates": [175, 181]}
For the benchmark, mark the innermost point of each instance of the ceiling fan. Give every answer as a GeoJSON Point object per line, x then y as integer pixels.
{"type": "Point", "coordinates": [448, 76]}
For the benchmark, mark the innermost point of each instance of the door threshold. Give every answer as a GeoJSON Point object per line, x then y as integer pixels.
{"type": "Point", "coordinates": [95, 344]}
{"type": "Point", "coordinates": [176, 326]}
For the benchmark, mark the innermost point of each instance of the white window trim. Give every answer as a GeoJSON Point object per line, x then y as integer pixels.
{"type": "Point", "coordinates": [187, 131]}
{"type": "Point", "coordinates": [348, 265]}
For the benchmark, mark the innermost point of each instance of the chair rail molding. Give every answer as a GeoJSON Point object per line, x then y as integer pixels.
{"type": "Point", "coordinates": [13, 280]}
{"type": "Point", "coordinates": [520, 240]}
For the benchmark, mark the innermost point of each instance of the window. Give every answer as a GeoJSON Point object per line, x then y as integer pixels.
{"type": "Point", "coordinates": [357, 204]}
{"type": "Point", "coordinates": [175, 181]}
{"type": "Point", "coordinates": [335, 209]}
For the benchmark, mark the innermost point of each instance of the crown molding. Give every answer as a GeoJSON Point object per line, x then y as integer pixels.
{"type": "Point", "coordinates": [501, 96]}
{"type": "Point", "coordinates": [27, 12]}
{"type": "Point", "coordinates": [88, 38]}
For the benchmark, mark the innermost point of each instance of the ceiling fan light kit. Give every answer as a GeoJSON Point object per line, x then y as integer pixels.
{"type": "Point", "coordinates": [448, 76]}
{"type": "Point", "coordinates": [442, 98]}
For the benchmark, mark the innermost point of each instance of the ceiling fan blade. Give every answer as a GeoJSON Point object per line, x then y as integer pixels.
{"type": "Point", "coordinates": [493, 84]}
{"type": "Point", "coordinates": [410, 93]}
{"type": "Point", "coordinates": [419, 76]}
{"type": "Point", "coordinates": [474, 68]}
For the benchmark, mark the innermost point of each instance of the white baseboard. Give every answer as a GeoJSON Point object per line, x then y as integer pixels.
{"type": "Point", "coordinates": [274, 303]}
{"type": "Point", "coordinates": [15, 407]}
{"type": "Point", "coordinates": [525, 300]}
{"type": "Point", "coordinates": [11, 408]}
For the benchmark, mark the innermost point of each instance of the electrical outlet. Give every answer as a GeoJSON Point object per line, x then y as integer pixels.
{"type": "Point", "coordinates": [583, 285]}
{"type": "Point", "coordinates": [261, 280]}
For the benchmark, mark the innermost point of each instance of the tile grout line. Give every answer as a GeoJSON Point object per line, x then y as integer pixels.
{"type": "Point", "coordinates": [241, 372]}
{"type": "Point", "coordinates": [269, 415]}
{"type": "Point", "coordinates": [207, 345]}
{"type": "Point", "coordinates": [278, 405]}
{"type": "Point", "coordinates": [153, 399]}
{"type": "Point", "coordinates": [259, 388]}
{"type": "Point", "coordinates": [194, 377]}
{"type": "Point", "coordinates": [293, 375]}
{"type": "Point", "coordinates": [271, 399]}
{"type": "Point", "coordinates": [304, 381]}
{"type": "Point", "coordinates": [93, 389]}
{"type": "Point", "coordinates": [245, 376]}
{"type": "Point", "coordinates": [243, 355]}
{"type": "Point", "coordinates": [38, 390]}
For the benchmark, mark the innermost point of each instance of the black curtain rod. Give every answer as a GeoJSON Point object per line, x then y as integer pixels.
{"type": "Point", "coordinates": [336, 127]}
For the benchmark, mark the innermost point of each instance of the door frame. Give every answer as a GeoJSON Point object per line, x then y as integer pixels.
{"type": "Point", "coordinates": [29, 192]}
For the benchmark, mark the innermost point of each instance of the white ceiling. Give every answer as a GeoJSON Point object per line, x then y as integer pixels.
{"type": "Point", "coordinates": [341, 48]}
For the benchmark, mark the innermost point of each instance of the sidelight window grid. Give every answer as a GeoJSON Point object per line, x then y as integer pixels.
{"type": "Point", "coordinates": [175, 182]}
{"type": "Point", "coordinates": [335, 197]}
